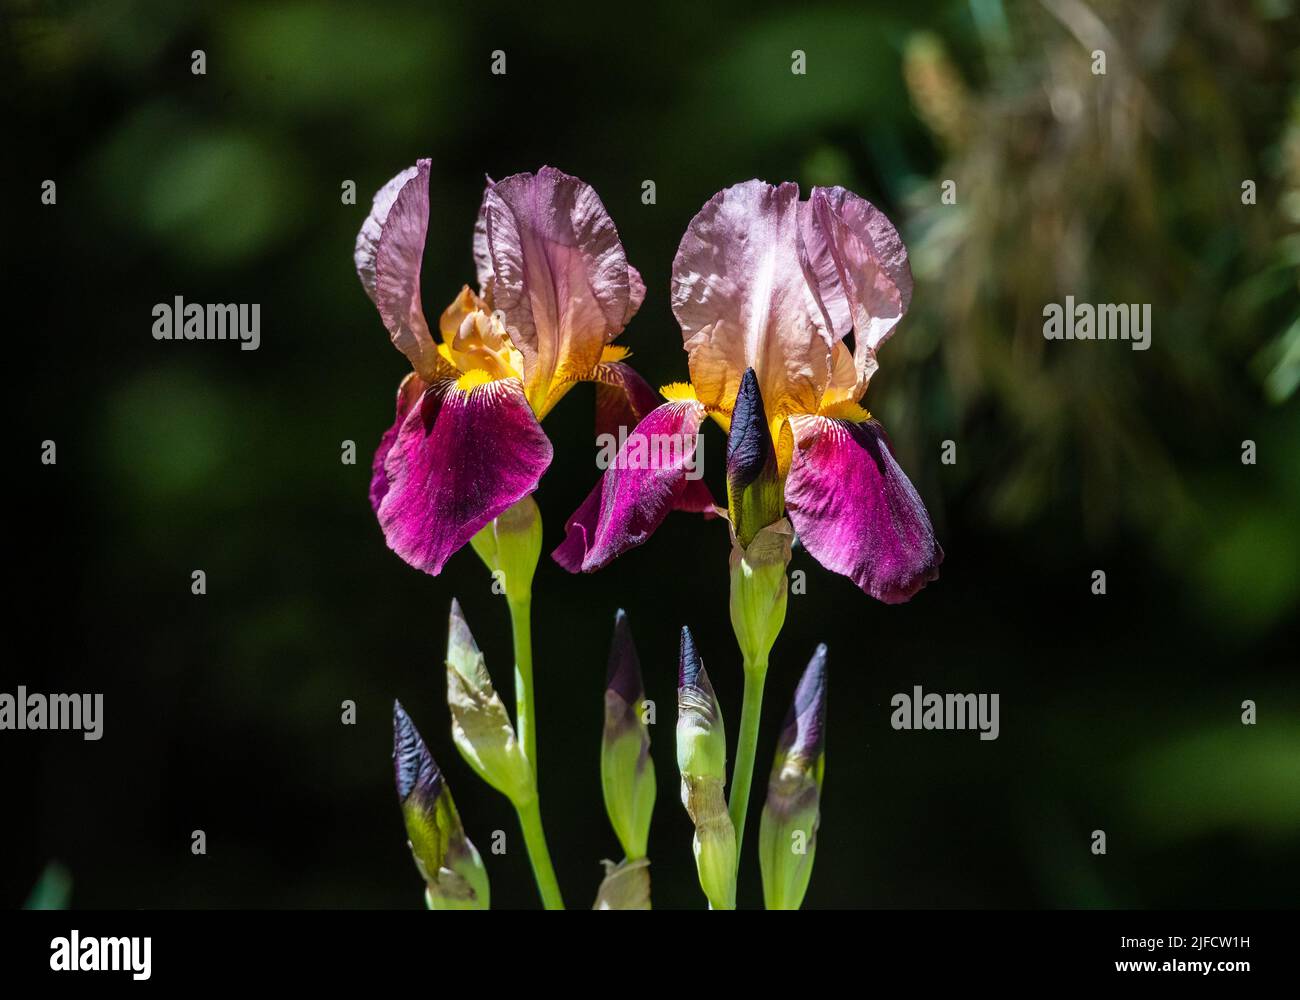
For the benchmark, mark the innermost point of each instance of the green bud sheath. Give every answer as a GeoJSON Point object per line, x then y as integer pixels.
{"type": "Point", "coordinates": [787, 836]}
{"type": "Point", "coordinates": [754, 493]}
{"type": "Point", "coordinates": [480, 725]}
{"type": "Point", "coordinates": [759, 590]}
{"type": "Point", "coordinates": [510, 545]}
{"type": "Point", "coordinates": [702, 760]}
{"type": "Point", "coordinates": [626, 886]}
{"type": "Point", "coordinates": [627, 774]}
{"type": "Point", "coordinates": [453, 872]}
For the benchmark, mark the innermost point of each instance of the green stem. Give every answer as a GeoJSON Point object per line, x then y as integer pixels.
{"type": "Point", "coordinates": [525, 711]}
{"type": "Point", "coordinates": [530, 815]}
{"type": "Point", "coordinates": [746, 746]}
{"type": "Point", "coordinates": [530, 818]}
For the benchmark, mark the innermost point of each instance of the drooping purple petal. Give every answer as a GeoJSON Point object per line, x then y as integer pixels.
{"type": "Point", "coordinates": [389, 250]}
{"type": "Point", "coordinates": [558, 274]}
{"type": "Point", "coordinates": [411, 389]}
{"type": "Point", "coordinates": [460, 458]}
{"type": "Point", "coordinates": [743, 299]}
{"type": "Point", "coordinates": [855, 510]}
{"type": "Point", "coordinates": [646, 479]}
{"type": "Point", "coordinates": [861, 269]}
{"type": "Point", "coordinates": [623, 398]}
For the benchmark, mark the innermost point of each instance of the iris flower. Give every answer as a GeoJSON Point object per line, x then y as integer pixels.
{"type": "Point", "coordinates": [803, 294]}
{"type": "Point", "coordinates": [555, 289]}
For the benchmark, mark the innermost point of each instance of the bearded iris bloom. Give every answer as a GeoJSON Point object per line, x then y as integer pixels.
{"type": "Point", "coordinates": [802, 294]}
{"type": "Point", "coordinates": [783, 305]}
{"type": "Point", "coordinates": [555, 289]}
{"type": "Point", "coordinates": [466, 449]}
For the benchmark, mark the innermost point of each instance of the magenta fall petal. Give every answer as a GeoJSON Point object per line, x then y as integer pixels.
{"type": "Point", "coordinates": [855, 510]}
{"type": "Point", "coordinates": [633, 497]}
{"type": "Point", "coordinates": [460, 458]}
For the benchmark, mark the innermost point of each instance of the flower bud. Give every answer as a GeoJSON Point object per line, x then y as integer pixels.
{"type": "Point", "coordinates": [753, 482]}
{"type": "Point", "coordinates": [787, 836]}
{"type": "Point", "coordinates": [627, 774]}
{"type": "Point", "coordinates": [452, 870]}
{"type": "Point", "coordinates": [626, 886]}
{"type": "Point", "coordinates": [479, 723]}
{"type": "Point", "coordinates": [510, 546]}
{"type": "Point", "coordinates": [702, 760]}
{"type": "Point", "coordinates": [758, 591]}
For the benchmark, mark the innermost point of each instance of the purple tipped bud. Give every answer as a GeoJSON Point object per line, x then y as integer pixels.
{"type": "Point", "coordinates": [413, 766]}
{"type": "Point", "coordinates": [450, 866]}
{"type": "Point", "coordinates": [787, 835]}
{"type": "Point", "coordinates": [627, 774]}
{"type": "Point", "coordinates": [753, 480]}
{"type": "Point", "coordinates": [749, 444]}
{"type": "Point", "coordinates": [702, 761]}
{"type": "Point", "coordinates": [690, 668]}
{"type": "Point", "coordinates": [624, 674]}
{"type": "Point", "coordinates": [804, 731]}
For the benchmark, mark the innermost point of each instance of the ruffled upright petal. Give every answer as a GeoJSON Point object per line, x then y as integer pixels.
{"type": "Point", "coordinates": [389, 250]}
{"type": "Point", "coordinates": [743, 298]}
{"type": "Point", "coordinates": [461, 457]}
{"type": "Point", "coordinates": [855, 510]}
{"type": "Point", "coordinates": [861, 270]}
{"type": "Point", "coordinates": [647, 478]}
{"type": "Point", "coordinates": [559, 276]}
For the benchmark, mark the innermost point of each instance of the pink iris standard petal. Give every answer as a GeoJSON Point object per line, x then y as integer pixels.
{"type": "Point", "coordinates": [460, 458]}
{"type": "Point", "coordinates": [646, 480]}
{"type": "Point", "coordinates": [482, 249]}
{"type": "Point", "coordinates": [558, 274]}
{"type": "Point", "coordinates": [411, 389]}
{"type": "Point", "coordinates": [823, 275]}
{"type": "Point", "coordinates": [856, 511]}
{"type": "Point", "coordinates": [389, 251]}
{"type": "Point", "coordinates": [635, 293]}
{"type": "Point", "coordinates": [743, 298]}
{"type": "Point", "coordinates": [860, 265]}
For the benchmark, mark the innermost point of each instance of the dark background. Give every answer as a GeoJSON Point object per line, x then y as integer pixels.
{"type": "Point", "coordinates": [1118, 712]}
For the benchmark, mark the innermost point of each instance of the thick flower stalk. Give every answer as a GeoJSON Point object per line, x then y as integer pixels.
{"type": "Point", "coordinates": [484, 736]}
{"type": "Point", "coordinates": [702, 761]}
{"type": "Point", "coordinates": [453, 872]}
{"type": "Point", "coordinates": [787, 832]}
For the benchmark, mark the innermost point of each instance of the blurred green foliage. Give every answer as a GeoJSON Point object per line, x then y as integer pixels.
{"type": "Point", "coordinates": [1117, 188]}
